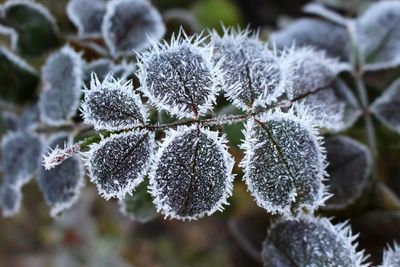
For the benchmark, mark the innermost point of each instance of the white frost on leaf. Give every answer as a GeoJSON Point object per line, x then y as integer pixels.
{"type": "Point", "coordinates": [391, 256]}
{"type": "Point", "coordinates": [192, 174]}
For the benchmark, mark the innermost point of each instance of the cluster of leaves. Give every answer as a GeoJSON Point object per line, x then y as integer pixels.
{"type": "Point", "coordinates": [289, 94]}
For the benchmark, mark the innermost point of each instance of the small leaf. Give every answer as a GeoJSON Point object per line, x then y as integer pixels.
{"type": "Point", "coordinates": [18, 79]}
{"type": "Point", "coordinates": [87, 16]}
{"type": "Point", "coordinates": [322, 11]}
{"type": "Point", "coordinates": [139, 206]}
{"type": "Point", "coordinates": [36, 27]}
{"type": "Point", "coordinates": [21, 154]}
{"type": "Point", "coordinates": [311, 241]}
{"type": "Point", "coordinates": [380, 49]}
{"type": "Point", "coordinates": [118, 164]}
{"type": "Point", "coordinates": [252, 74]}
{"type": "Point", "coordinates": [319, 34]}
{"type": "Point", "coordinates": [284, 163]}
{"type": "Point", "coordinates": [180, 77]}
{"type": "Point", "coordinates": [130, 25]}
{"type": "Point", "coordinates": [112, 105]}
{"type": "Point", "coordinates": [62, 184]}
{"type": "Point", "coordinates": [349, 170]}
{"type": "Point", "coordinates": [10, 199]}
{"type": "Point", "coordinates": [391, 256]}
{"type": "Point", "coordinates": [192, 174]}
{"type": "Point", "coordinates": [386, 107]}
{"type": "Point", "coordinates": [62, 84]}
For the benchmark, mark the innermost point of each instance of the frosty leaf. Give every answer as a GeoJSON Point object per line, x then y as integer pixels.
{"type": "Point", "coordinates": [387, 107]}
{"type": "Point", "coordinates": [310, 242]}
{"type": "Point", "coordinates": [180, 77]}
{"type": "Point", "coordinates": [349, 169]}
{"type": "Point", "coordinates": [380, 49]}
{"type": "Point", "coordinates": [391, 256]}
{"type": "Point", "coordinates": [320, 10]}
{"type": "Point", "coordinates": [112, 105]}
{"type": "Point", "coordinates": [36, 27]}
{"type": "Point", "coordinates": [87, 16]}
{"type": "Point", "coordinates": [252, 74]}
{"type": "Point", "coordinates": [139, 206]}
{"type": "Point", "coordinates": [316, 33]}
{"type": "Point", "coordinates": [284, 163]}
{"type": "Point", "coordinates": [18, 79]}
{"type": "Point", "coordinates": [129, 24]}
{"type": "Point", "coordinates": [118, 164]}
{"type": "Point", "coordinates": [21, 154]}
{"type": "Point", "coordinates": [192, 174]}
{"type": "Point", "coordinates": [62, 84]}
{"type": "Point", "coordinates": [10, 199]}
{"type": "Point", "coordinates": [62, 184]}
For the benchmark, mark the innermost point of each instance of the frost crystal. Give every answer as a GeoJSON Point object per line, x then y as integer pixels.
{"type": "Point", "coordinates": [252, 74]}
{"type": "Point", "coordinates": [131, 24]}
{"type": "Point", "coordinates": [62, 184]}
{"type": "Point", "coordinates": [192, 174]}
{"type": "Point", "coordinates": [380, 49]}
{"type": "Point", "coordinates": [284, 163]}
{"type": "Point", "coordinates": [311, 242]}
{"type": "Point", "coordinates": [320, 34]}
{"type": "Point", "coordinates": [181, 77]}
{"type": "Point", "coordinates": [119, 163]}
{"type": "Point", "coordinates": [391, 256]}
{"type": "Point", "coordinates": [21, 152]}
{"type": "Point", "coordinates": [62, 84]}
{"type": "Point", "coordinates": [349, 169]}
{"type": "Point", "coordinates": [112, 105]}
{"type": "Point", "coordinates": [10, 199]}
{"type": "Point", "coordinates": [386, 107]}
{"type": "Point", "coordinates": [87, 16]}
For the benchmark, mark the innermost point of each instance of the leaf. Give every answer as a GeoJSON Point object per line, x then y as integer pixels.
{"type": "Point", "coordinates": [36, 27]}
{"type": "Point", "coordinates": [252, 74]}
{"type": "Point", "coordinates": [380, 48]}
{"type": "Point", "coordinates": [118, 164]}
{"type": "Point", "coordinates": [349, 169]}
{"type": "Point", "coordinates": [180, 77]}
{"type": "Point", "coordinates": [21, 154]}
{"type": "Point", "coordinates": [10, 199]}
{"type": "Point", "coordinates": [311, 241]}
{"type": "Point", "coordinates": [62, 84]}
{"type": "Point", "coordinates": [284, 163]}
{"type": "Point", "coordinates": [319, 34]}
{"type": "Point", "coordinates": [17, 78]}
{"type": "Point", "coordinates": [139, 206]}
{"type": "Point", "coordinates": [387, 107]}
{"type": "Point", "coordinates": [322, 11]}
{"type": "Point", "coordinates": [130, 25]}
{"type": "Point", "coordinates": [87, 16]}
{"type": "Point", "coordinates": [391, 256]}
{"type": "Point", "coordinates": [62, 184]}
{"type": "Point", "coordinates": [192, 174]}
{"type": "Point", "coordinates": [112, 106]}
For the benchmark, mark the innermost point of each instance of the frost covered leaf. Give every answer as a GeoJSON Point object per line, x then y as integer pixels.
{"type": "Point", "coordinates": [130, 25]}
{"type": "Point", "coordinates": [139, 206]}
{"type": "Point", "coordinates": [62, 84]}
{"type": "Point", "coordinates": [118, 164]}
{"type": "Point", "coordinates": [391, 256]}
{"type": "Point", "coordinates": [112, 105]}
{"type": "Point", "coordinates": [349, 169]}
{"type": "Point", "coordinates": [252, 74]}
{"type": "Point", "coordinates": [320, 10]}
{"type": "Point", "coordinates": [10, 199]}
{"type": "Point", "coordinates": [21, 153]}
{"type": "Point", "coordinates": [319, 34]}
{"type": "Point", "coordinates": [380, 49]}
{"type": "Point", "coordinates": [36, 27]}
{"type": "Point", "coordinates": [62, 184]}
{"type": "Point", "coordinates": [87, 16]}
{"type": "Point", "coordinates": [18, 79]}
{"type": "Point", "coordinates": [180, 77]}
{"type": "Point", "coordinates": [284, 163]}
{"type": "Point", "coordinates": [192, 175]}
{"type": "Point", "coordinates": [386, 107]}
{"type": "Point", "coordinates": [310, 242]}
